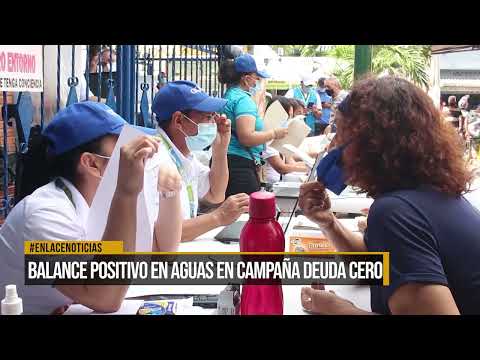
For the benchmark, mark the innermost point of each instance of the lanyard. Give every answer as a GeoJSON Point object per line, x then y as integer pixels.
{"type": "Point", "coordinates": [181, 170]}
{"type": "Point", "coordinates": [61, 185]}
{"type": "Point", "coordinates": [305, 98]}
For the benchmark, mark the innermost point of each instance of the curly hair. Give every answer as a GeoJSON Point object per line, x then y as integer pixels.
{"type": "Point", "coordinates": [398, 139]}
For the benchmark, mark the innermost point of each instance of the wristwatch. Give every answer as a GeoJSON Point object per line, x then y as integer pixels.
{"type": "Point", "coordinates": [167, 194]}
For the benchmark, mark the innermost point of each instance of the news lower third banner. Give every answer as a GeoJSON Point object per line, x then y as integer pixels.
{"type": "Point", "coordinates": [105, 263]}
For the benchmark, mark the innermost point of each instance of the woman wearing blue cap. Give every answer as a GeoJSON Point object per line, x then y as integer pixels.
{"type": "Point", "coordinates": [70, 161]}
{"type": "Point", "coordinates": [248, 137]}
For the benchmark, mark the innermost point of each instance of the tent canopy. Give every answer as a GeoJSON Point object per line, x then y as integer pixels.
{"type": "Point", "coordinates": [442, 49]}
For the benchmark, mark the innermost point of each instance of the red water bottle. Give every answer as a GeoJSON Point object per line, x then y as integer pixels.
{"type": "Point", "coordinates": [262, 233]}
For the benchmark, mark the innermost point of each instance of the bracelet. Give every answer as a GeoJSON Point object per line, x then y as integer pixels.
{"type": "Point", "coordinates": [167, 194]}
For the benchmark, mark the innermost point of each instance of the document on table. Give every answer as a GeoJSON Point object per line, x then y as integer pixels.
{"type": "Point", "coordinates": [146, 212]}
{"type": "Point", "coordinates": [309, 161]}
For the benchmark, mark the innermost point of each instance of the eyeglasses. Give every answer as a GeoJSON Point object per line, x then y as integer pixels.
{"type": "Point", "coordinates": [205, 117]}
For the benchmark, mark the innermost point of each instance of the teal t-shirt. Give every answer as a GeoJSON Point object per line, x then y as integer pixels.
{"type": "Point", "coordinates": [240, 103]}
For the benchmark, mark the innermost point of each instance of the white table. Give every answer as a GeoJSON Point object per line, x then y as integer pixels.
{"type": "Point", "coordinates": [359, 295]}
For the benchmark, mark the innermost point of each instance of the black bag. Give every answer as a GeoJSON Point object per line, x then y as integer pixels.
{"type": "Point", "coordinates": [30, 166]}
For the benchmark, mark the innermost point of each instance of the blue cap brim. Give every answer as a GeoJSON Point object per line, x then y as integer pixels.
{"type": "Point", "coordinates": [210, 104]}
{"type": "Point", "coordinates": [263, 74]}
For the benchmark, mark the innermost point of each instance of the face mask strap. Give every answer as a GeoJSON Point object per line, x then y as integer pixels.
{"type": "Point", "coordinates": [102, 156]}
{"type": "Point", "coordinates": [193, 122]}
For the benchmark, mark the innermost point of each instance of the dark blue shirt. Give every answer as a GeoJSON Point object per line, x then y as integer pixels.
{"type": "Point", "coordinates": [325, 98]}
{"type": "Point", "coordinates": [432, 238]}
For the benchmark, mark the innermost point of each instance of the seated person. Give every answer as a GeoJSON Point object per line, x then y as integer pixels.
{"type": "Point", "coordinates": [71, 159]}
{"type": "Point", "coordinates": [277, 165]}
{"type": "Point", "coordinates": [419, 214]}
{"type": "Point", "coordinates": [187, 122]}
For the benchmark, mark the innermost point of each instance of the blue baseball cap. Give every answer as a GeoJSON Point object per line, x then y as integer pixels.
{"type": "Point", "coordinates": [81, 123]}
{"type": "Point", "coordinates": [183, 95]}
{"type": "Point", "coordinates": [246, 64]}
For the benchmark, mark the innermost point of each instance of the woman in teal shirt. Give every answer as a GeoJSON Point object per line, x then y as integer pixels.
{"type": "Point", "coordinates": [248, 137]}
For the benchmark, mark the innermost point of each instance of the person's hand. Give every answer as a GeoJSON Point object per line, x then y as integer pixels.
{"type": "Point", "coordinates": [231, 209]}
{"type": "Point", "coordinates": [361, 223]}
{"type": "Point", "coordinates": [279, 133]}
{"type": "Point", "coordinates": [316, 112]}
{"type": "Point", "coordinates": [315, 203]}
{"type": "Point", "coordinates": [168, 178]}
{"type": "Point", "coordinates": [324, 302]}
{"type": "Point", "coordinates": [132, 163]}
{"type": "Point", "coordinates": [224, 131]}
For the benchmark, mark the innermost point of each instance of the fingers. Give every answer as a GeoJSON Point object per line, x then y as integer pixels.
{"type": "Point", "coordinates": [318, 286]}
{"type": "Point", "coordinates": [144, 141]}
{"type": "Point", "coordinates": [242, 199]}
{"type": "Point", "coordinates": [141, 148]}
{"type": "Point", "coordinates": [222, 121]}
{"type": "Point", "coordinates": [306, 298]}
{"type": "Point", "coordinates": [309, 186]}
{"type": "Point", "coordinates": [244, 209]}
{"type": "Point", "coordinates": [310, 192]}
{"type": "Point", "coordinates": [143, 153]}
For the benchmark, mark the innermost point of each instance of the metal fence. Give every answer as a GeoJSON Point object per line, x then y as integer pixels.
{"type": "Point", "coordinates": [125, 77]}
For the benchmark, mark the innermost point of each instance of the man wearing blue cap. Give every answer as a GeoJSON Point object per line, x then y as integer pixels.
{"type": "Point", "coordinates": [188, 122]}
{"type": "Point", "coordinates": [72, 155]}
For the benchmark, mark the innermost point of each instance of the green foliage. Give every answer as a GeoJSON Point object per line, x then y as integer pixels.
{"type": "Point", "coordinates": [409, 61]}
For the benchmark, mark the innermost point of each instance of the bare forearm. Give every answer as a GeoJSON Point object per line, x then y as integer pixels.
{"type": "Point", "coordinates": [256, 138]}
{"type": "Point", "coordinates": [121, 226]}
{"type": "Point", "coordinates": [288, 168]}
{"type": "Point", "coordinates": [168, 227]}
{"type": "Point", "coordinates": [355, 311]}
{"type": "Point", "coordinates": [344, 239]}
{"type": "Point", "coordinates": [121, 222]}
{"type": "Point", "coordinates": [218, 176]}
{"type": "Point", "coordinates": [192, 228]}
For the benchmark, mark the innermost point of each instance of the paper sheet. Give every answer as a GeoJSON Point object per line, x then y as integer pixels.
{"type": "Point", "coordinates": [297, 132]}
{"type": "Point", "coordinates": [301, 154]}
{"type": "Point", "coordinates": [275, 117]}
{"type": "Point", "coordinates": [146, 214]}
{"type": "Point", "coordinates": [314, 144]}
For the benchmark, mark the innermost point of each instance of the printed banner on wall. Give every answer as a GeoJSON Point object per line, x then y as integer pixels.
{"type": "Point", "coordinates": [21, 68]}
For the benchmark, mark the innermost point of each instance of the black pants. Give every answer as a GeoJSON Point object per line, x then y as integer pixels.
{"type": "Point", "coordinates": [242, 176]}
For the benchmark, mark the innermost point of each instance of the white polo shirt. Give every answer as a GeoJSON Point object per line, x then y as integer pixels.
{"type": "Point", "coordinates": [271, 174]}
{"type": "Point", "coordinates": [46, 214]}
{"type": "Point", "coordinates": [195, 177]}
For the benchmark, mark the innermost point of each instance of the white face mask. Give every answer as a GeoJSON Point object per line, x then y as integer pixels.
{"type": "Point", "coordinates": [206, 134]}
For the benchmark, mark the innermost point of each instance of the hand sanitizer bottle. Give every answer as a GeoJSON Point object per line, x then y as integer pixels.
{"type": "Point", "coordinates": [12, 304]}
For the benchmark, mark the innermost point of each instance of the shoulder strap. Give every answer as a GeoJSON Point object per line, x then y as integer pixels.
{"type": "Point", "coordinates": [61, 185]}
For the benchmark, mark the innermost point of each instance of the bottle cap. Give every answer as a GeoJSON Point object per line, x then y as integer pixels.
{"type": "Point", "coordinates": [12, 304]}
{"type": "Point", "coordinates": [262, 205]}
